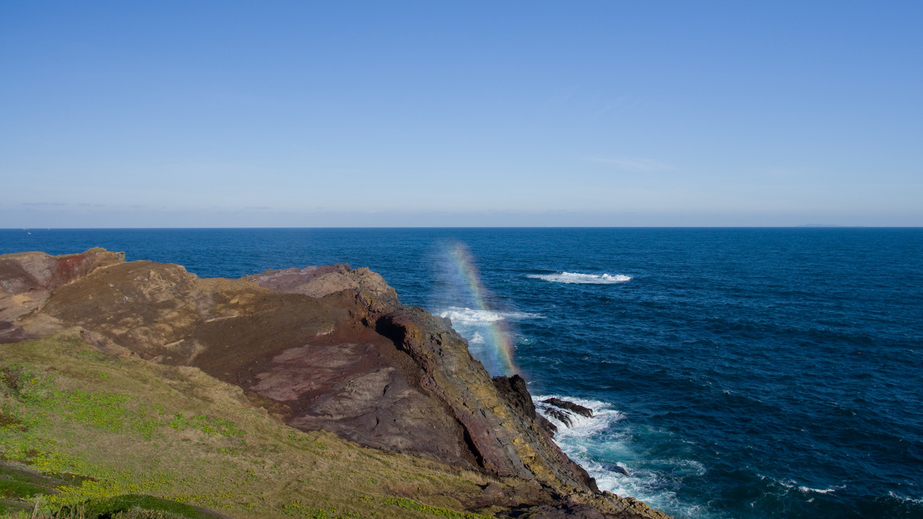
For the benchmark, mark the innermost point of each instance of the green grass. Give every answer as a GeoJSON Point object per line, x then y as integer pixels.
{"type": "Point", "coordinates": [101, 428]}
{"type": "Point", "coordinates": [410, 504]}
{"type": "Point", "coordinates": [19, 486]}
{"type": "Point", "coordinates": [135, 504]}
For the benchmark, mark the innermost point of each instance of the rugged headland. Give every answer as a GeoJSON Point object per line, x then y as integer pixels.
{"type": "Point", "coordinates": [267, 368]}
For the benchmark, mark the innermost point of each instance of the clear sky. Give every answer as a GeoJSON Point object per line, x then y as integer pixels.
{"type": "Point", "coordinates": [277, 114]}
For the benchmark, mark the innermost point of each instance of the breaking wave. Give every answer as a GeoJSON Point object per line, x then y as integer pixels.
{"type": "Point", "coordinates": [474, 316]}
{"type": "Point", "coordinates": [579, 425]}
{"type": "Point", "coordinates": [602, 444]}
{"type": "Point", "coordinates": [586, 279]}
{"type": "Point", "coordinates": [816, 490]}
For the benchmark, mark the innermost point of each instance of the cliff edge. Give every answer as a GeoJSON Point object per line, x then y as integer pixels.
{"type": "Point", "coordinates": [322, 348]}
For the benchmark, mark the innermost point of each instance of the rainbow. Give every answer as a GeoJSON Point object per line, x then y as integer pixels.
{"type": "Point", "coordinates": [499, 341]}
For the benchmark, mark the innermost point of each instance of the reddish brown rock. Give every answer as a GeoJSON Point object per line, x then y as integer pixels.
{"type": "Point", "coordinates": [27, 279]}
{"type": "Point", "coordinates": [327, 348]}
{"type": "Point", "coordinates": [502, 429]}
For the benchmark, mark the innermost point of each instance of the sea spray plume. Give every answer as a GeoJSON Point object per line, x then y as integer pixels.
{"type": "Point", "coordinates": [497, 344]}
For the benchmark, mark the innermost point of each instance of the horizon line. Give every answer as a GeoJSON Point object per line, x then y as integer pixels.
{"type": "Point", "coordinates": [801, 226]}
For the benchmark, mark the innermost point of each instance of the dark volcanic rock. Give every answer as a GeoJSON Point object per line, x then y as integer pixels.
{"type": "Point", "coordinates": [612, 467]}
{"type": "Point", "coordinates": [514, 392]}
{"type": "Point", "coordinates": [327, 348]}
{"type": "Point", "coordinates": [366, 391]}
{"type": "Point", "coordinates": [546, 425]}
{"type": "Point", "coordinates": [562, 411]}
{"type": "Point", "coordinates": [504, 437]}
{"type": "Point", "coordinates": [559, 415]}
{"type": "Point", "coordinates": [570, 406]}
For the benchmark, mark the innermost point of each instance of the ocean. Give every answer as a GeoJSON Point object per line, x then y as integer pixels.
{"type": "Point", "coordinates": [734, 373]}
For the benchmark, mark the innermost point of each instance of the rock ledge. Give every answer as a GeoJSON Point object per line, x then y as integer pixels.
{"type": "Point", "coordinates": [328, 348]}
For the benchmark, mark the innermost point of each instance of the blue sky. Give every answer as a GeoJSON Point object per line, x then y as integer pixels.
{"type": "Point", "coordinates": [269, 114]}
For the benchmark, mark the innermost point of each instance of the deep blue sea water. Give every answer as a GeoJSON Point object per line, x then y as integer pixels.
{"type": "Point", "coordinates": [736, 373]}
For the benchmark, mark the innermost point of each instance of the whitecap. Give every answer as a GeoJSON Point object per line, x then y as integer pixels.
{"type": "Point", "coordinates": [817, 490]}
{"type": "Point", "coordinates": [477, 339]}
{"type": "Point", "coordinates": [916, 501]}
{"type": "Point", "coordinates": [474, 316]}
{"type": "Point", "coordinates": [467, 315]}
{"type": "Point", "coordinates": [586, 279]}
{"type": "Point", "coordinates": [789, 485]}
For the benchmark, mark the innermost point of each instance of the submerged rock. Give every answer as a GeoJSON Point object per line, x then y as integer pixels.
{"type": "Point", "coordinates": [570, 406]}
{"type": "Point", "coordinates": [559, 415]}
{"type": "Point", "coordinates": [562, 411]}
{"type": "Point", "coordinates": [614, 467]}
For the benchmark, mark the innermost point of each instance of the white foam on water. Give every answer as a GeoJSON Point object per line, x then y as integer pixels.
{"type": "Point", "coordinates": [522, 315]}
{"type": "Point", "coordinates": [817, 490]}
{"type": "Point", "coordinates": [790, 485]}
{"type": "Point", "coordinates": [586, 279]}
{"type": "Point", "coordinates": [480, 329]}
{"type": "Point", "coordinates": [474, 316]}
{"type": "Point", "coordinates": [467, 315]}
{"type": "Point", "coordinates": [591, 440]}
{"type": "Point", "coordinates": [916, 501]}
{"type": "Point", "coordinates": [580, 426]}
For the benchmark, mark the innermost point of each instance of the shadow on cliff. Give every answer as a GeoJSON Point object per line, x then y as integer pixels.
{"type": "Point", "coordinates": [323, 348]}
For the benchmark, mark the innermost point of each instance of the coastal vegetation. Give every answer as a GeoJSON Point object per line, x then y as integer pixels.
{"type": "Point", "coordinates": [83, 434]}
{"type": "Point", "coordinates": [305, 392]}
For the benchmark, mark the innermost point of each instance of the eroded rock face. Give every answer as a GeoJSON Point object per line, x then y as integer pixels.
{"type": "Point", "coordinates": [501, 426]}
{"type": "Point", "coordinates": [327, 348]}
{"type": "Point", "coordinates": [374, 293]}
{"type": "Point", "coordinates": [27, 279]}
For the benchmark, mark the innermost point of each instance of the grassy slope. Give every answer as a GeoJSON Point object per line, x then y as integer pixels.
{"type": "Point", "coordinates": [128, 426]}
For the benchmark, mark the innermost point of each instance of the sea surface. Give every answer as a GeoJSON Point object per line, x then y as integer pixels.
{"type": "Point", "coordinates": [735, 373]}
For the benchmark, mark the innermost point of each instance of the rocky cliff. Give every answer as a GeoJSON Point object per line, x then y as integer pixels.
{"type": "Point", "coordinates": [323, 348]}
